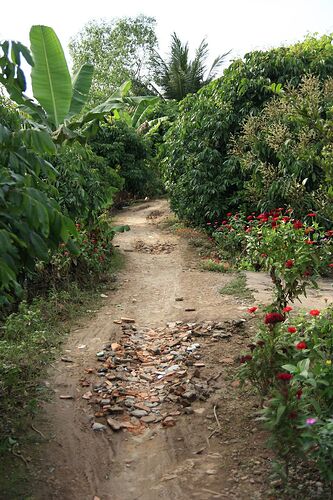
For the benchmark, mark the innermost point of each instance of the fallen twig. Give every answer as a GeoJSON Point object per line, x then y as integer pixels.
{"type": "Point", "coordinates": [38, 432]}
{"type": "Point", "coordinates": [217, 420]}
{"type": "Point", "coordinates": [19, 455]}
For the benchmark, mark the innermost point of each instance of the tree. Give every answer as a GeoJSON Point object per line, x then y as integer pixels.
{"type": "Point", "coordinates": [119, 49]}
{"type": "Point", "coordinates": [179, 75]}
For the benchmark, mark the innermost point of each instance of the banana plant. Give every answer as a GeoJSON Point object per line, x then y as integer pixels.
{"type": "Point", "coordinates": [59, 99]}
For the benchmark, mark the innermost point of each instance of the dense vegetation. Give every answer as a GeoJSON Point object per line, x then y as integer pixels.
{"type": "Point", "coordinates": [204, 174]}
{"type": "Point", "coordinates": [257, 139]}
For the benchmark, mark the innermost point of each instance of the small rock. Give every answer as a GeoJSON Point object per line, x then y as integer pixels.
{"type": "Point", "coordinates": [211, 472]}
{"type": "Point", "coordinates": [169, 422]}
{"type": "Point", "coordinates": [179, 299]}
{"type": "Point", "coordinates": [98, 427]}
{"type": "Point", "coordinates": [139, 413]}
{"type": "Point", "coordinates": [115, 346]}
{"type": "Point", "coordinates": [127, 320]}
{"type": "Point", "coordinates": [103, 296]}
{"type": "Point", "coordinates": [199, 411]}
{"type": "Point", "coordinates": [114, 424]}
{"type": "Point", "coordinates": [66, 396]}
{"type": "Point", "coordinates": [87, 395]}
{"type": "Point", "coordinates": [188, 410]}
{"type": "Point", "coordinates": [100, 354]}
{"type": "Point", "coordinates": [148, 419]}
{"type": "Point", "coordinates": [66, 360]}
{"type": "Point", "coordinates": [117, 321]}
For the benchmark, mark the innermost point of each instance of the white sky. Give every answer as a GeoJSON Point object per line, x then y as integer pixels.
{"type": "Point", "coordinates": [240, 25]}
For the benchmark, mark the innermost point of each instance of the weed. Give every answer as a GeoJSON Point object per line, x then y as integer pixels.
{"type": "Point", "coordinates": [212, 265]}
{"type": "Point", "coordinates": [237, 287]}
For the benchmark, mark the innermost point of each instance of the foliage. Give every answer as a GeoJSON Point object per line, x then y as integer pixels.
{"type": "Point", "coordinates": [31, 221]}
{"type": "Point", "coordinates": [32, 224]}
{"type": "Point", "coordinates": [285, 151]}
{"type": "Point", "coordinates": [126, 152]}
{"type": "Point", "coordinates": [203, 177]}
{"type": "Point", "coordinates": [291, 364]}
{"type": "Point", "coordinates": [178, 76]}
{"type": "Point", "coordinates": [120, 50]}
{"type": "Point", "coordinates": [200, 185]}
{"type": "Point", "coordinates": [294, 252]}
{"type": "Point", "coordinates": [85, 182]}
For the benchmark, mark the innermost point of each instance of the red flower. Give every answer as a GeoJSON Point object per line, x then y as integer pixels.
{"type": "Point", "coordinates": [245, 358]}
{"type": "Point", "coordinates": [286, 219]}
{"type": "Point", "coordinates": [298, 224]}
{"type": "Point", "coordinates": [224, 222]}
{"type": "Point", "coordinates": [330, 265]}
{"type": "Point", "coordinates": [252, 309]}
{"type": "Point", "coordinates": [248, 230]}
{"type": "Point", "coordinates": [299, 393]}
{"type": "Point", "coordinates": [229, 214]}
{"type": "Point", "coordinates": [273, 317]}
{"type": "Point", "coordinates": [264, 255]}
{"type": "Point", "coordinates": [301, 345]}
{"type": "Point", "coordinates": [329, 233]}
{"type": "Point", "coordinates": [249, 217]}
{"type": "Point", "coordinates": [284, 376]}
{"type": "Point", "coordinates": [292, 329]}
{"type": "Point", "coordinates": [312, 214]}
{"type": "Point", "coordinates": [289, 263]}
{"type": "Point", "coordinates": [274, 224]}
{"type": "Point", "coordinates": [314, 312]}
{"type": "Point", "coordinates": [310, 242]}
{"type": "Point", "coordinates": [287, 309]}
{"type": "Point", "coordinates": [307, 273]}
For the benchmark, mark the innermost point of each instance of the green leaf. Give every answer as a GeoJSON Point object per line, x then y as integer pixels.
{"type": "Point", "coordinates": [290, 368]}
{"type": "Point", "coordinates": [81, 86]}
{"type": "Point", "coordinates": [51, 81]}
{"type": "Point", "coordinates": [279, 412]}
{"type": "Point", "coordinates": [38, 140]}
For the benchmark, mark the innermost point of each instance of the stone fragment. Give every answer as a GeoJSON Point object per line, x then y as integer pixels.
{"type": "Point", "coordinates": [169, 422]}
{"type": "Point", "coordinates": [148, 419]}
{"type": "Point", "coordinates": [139, 413]}
{"type": "Point", "coordinates": [114, 424]}
{"type": "Point", "coordinates": [127, 320]}
{"type": "Point", "coordinates": [98, 427]}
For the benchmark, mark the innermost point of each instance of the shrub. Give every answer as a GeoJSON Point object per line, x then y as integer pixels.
{"type": "Point", "coordinates": [86, 183]}
{"type": "Point", "coordinates": [203, 178]}
{"type": "Point", "coordinates": [127, 153]}
{"type": "Point", "coordinates": [285, 151]}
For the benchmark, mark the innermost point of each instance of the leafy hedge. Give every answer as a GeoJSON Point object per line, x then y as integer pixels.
{"type": "Point", "coordinates": [202, 175]}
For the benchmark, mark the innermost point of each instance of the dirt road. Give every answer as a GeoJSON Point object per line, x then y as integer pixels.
{"type": "Point", "coordinates": [216, 447]}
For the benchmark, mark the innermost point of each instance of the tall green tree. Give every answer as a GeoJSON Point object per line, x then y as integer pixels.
{"type": "Point", "coordinates": [120, 49]}
{"type": "Point", "coordinates": [179, 76]}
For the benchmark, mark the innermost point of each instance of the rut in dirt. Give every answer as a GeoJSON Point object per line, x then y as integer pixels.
{"type": "Point", "coordinates": [153, 373]}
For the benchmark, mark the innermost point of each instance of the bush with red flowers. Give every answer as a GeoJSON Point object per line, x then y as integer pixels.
{"type": "Point", "coordinates": [294, 376]}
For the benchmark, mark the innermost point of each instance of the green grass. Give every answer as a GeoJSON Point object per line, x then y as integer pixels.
{"type": "Point", "coordinates": [30, 339]}
{"type": "Point", "coordinates": [238, 288]}
{"type": "Point", "coordinates": [211, 265]}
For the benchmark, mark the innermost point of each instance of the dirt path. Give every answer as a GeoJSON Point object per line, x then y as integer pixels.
{"type": "Point", "coordinates": [216, 447]}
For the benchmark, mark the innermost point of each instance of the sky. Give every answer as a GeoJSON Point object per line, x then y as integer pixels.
{"type": "Point", "coordinates": [239, 25]}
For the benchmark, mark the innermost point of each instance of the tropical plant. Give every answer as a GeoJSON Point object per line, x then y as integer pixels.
{"type": "Point", "coordinates": [31, 221]}
{"type": "Point", "coordinates": [203, 177]}
{"type": "Point", "coordinates": [179, 76]}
